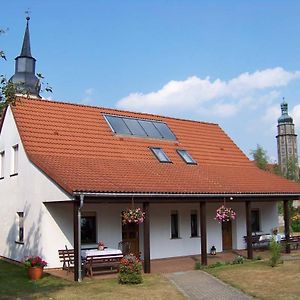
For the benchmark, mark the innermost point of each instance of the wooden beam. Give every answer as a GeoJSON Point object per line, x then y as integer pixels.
{"type": "Point", "coordinates": [286, 215]}
{"type": "Point", "coordinates": [203, 233]}
{"type": "Point", "coordinates": [249, 230]}
{"type": "Point", "coordinates": [147, 266]}
{"type": "Point", "coordinates": [75, 239]}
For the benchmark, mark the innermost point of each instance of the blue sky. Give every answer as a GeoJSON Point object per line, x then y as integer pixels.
{"type": "Point", "coordinates": [228, 62]}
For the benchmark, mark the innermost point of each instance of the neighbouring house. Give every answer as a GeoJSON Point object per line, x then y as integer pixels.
{"type": "Point", "coordinates": [68, 171]}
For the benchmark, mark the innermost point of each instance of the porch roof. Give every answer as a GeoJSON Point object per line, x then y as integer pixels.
{"type": "Point", "coordinates": [74, 145]}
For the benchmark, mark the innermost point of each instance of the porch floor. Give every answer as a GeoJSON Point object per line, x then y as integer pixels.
{"type": "Point", "coordinates": [158, 266]}
{"type": "Point", "coordinates": [180, 264]}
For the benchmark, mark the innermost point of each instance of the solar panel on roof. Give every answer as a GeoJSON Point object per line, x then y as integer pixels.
{"type": "Point", "coordinates": [135, 127]}
{"type": "Point", "coordinates": [140, 127]}
{"type": "Point", "coordinates": [118, 125]}
{"type": "Point", "coordinates": [150, 129]}
{"type": "Point", "coordinates": [165, 131]}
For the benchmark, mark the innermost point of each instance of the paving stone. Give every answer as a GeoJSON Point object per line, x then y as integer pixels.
{"type": "Point", "coordinates": [196, 285]}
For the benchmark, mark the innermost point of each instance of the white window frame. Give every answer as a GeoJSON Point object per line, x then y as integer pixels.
{"type": "Point", "coordinates": [15, 160]}
{"type": "Point", "coordinates": [20, 227]}
{"type": "Point", "coordinates": [2, 157]}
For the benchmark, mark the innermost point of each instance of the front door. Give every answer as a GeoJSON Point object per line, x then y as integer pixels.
{"type": "Point", "coordinates": [227, 235]}
{"type": "Point", "coordinates": [130, 238]}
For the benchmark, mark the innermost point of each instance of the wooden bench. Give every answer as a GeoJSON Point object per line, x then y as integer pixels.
{"type": "Point", "coordinates": [294, 242]}
{"type": "Point", "coordinates": [92, 263]}
{"type": "Point", "coordinates": [66, 256]}
{"type": "Point", "coordinates": [256, 242]}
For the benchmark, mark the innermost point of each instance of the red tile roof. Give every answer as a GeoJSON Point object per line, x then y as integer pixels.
{"type": "Point", "coordinates": [74, 146]}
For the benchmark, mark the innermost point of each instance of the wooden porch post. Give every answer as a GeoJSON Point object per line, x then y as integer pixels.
{"type": "Point", "coordinates": [249, 230]}
{"type": "Point", "coordinates": [286, 214]}
{"type": "Point", "coordinates": [203, 233]}
{"type": "Point", "coordinates": [146, 237]}
{"type": "Point", "coordinates": [75, 239]}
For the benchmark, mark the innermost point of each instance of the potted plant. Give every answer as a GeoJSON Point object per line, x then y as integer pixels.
{"type": "Point", "coordinates": [35, 266]}
{"type": "Point", "coordinates": [134, 215]}
{"type": "Point", "coordinates": [101, 245]}
{"type": "Point", "coordinates": [225, 214]}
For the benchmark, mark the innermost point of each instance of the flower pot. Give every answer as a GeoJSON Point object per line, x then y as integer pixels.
{"type": "Point", "coordinates": [35, 273]}
{"type": "Point", "coordinates": [101, 248]}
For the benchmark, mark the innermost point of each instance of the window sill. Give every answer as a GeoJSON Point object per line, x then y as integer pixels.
{"type": "Point", "coordinates": [196, 236]}
{"type": "Point", "coordinates": [15, 174]}
{"type": "Point", "coordinates": [177, 238]}
{"type": "Point", "coordinates": [19, 243]}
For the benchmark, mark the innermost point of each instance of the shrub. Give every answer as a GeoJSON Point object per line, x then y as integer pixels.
{"type": "Point", "coordinates": [275, 249]}
{"type": "Point", "coordinates": [238, 260]}
{"type": "Point", "coordinates": [130, 270]}
{"type": "Point", "coordinates": [295, 224]}
{"type": "Point", "coordinates": [198, 265]}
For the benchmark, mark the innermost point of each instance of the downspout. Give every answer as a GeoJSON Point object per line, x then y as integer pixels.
{"type": "Point", "coordinates": [79, 238]}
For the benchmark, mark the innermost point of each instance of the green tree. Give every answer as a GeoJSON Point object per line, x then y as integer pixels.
{"type": "Point", "coordinates": [260, 157]}
{"type": "Point", "coordinates": [292, 169]}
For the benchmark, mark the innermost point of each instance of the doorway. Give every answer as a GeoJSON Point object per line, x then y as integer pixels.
{"type": "Point", "coordinates": [227, 235]}
{"type": "Point", "coordinates": [130, 239]}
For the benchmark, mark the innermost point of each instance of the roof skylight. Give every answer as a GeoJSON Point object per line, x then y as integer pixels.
{"type": "Point", "coordinates": [186, 156]}
{"type": "Point", "coordinates": [140, 127]}
{"type": "Point", "coordinates": [160, 154]}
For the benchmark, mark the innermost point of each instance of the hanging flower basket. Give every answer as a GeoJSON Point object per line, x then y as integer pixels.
{"type": "Point", "coordinates": [135, 215]}
{"type": "Point", "coordinates": [225, 214]}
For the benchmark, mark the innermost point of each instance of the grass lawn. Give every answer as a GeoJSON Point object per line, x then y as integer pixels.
{"type": "Point", "coordinates": [260, 280]}
{"type": "Point", "coordinates": [14, 284]}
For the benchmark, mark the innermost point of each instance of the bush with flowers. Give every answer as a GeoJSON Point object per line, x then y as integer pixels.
{"type": "Point", "coordinates": [34, 262]}
{"type": "Point", "coordinates": [130, 270]}
{"type": "Point", "coordinates": [135, 215]}
{"type": "Point", "coordinates": [225, 214]}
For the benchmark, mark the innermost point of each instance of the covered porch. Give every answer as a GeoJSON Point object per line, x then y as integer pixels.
{"type": "Point", "coordinates": [150, 264]}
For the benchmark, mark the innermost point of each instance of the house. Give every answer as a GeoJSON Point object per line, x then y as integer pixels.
{"type": "Point", "coordinates": [67, 172]}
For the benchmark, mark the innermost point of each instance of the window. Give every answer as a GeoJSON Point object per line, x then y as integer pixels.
{"type": "Point", "coordinates": [2, 155]}
{"type": "Point", "coordinates": [20, 237]}
{"type": "Point", "coordinates": [15, 158]}
{"type": "Point", "coordinates": [194, 224]}
{"type": "Point", "coordinates": [186, 157]}
{"type": "Point", "coordinates": [139, 127]}
{"type": "Point", "coordinates": [88, 229]}
{"type": "Point", "coordinates": [255, 220]}
{"type": "Point", "coordinates": [160, 155]}
{"type": "Point", "coordinates": [174, 225]}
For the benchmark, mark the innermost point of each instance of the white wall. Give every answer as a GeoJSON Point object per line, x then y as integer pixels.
{"type": "Point", "coordinates": [25, 192]}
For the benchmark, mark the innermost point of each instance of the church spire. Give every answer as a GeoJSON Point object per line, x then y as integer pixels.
{"type": "Point", "coordinates": [26, 51]}
{"type": "Point", "coordinates": [24, 78]}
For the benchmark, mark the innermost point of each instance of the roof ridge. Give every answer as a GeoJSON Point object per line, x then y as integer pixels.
{"type": "Point", "coordinates": [118, 110]}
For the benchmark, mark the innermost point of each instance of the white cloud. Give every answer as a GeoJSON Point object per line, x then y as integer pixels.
{"type": "Point", "coordinates": [295, 113]}
{"type": "Point", "coordinates": [208, 97]}
{"type": "Point", "coordinates": [88, 96]}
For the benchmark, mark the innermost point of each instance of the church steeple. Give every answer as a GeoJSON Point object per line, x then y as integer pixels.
{"type": "Point", "coordinates": [286, 141]}
{"type": "Point", "coordinates": [26, 51]}
{"type": "Point", "coordinates": [24, 78]}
